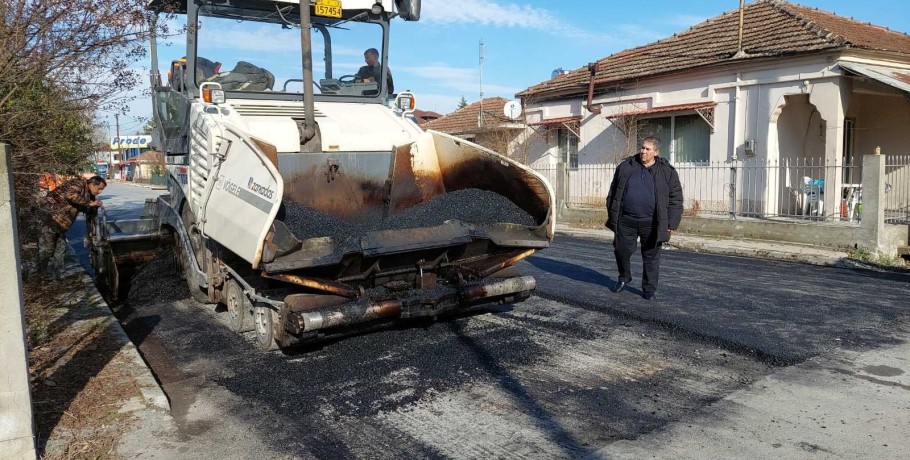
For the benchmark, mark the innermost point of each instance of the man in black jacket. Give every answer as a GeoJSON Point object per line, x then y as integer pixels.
{"type": "Point", "coordinates": [645, 201]}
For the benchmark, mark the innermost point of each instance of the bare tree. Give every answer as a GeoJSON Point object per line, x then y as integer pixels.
{"type": "Point", "coordinates": [86, 48]}
{"type": "Point", "coordinates": [59, 63]}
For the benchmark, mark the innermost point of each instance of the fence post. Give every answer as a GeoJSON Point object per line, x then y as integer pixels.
{"type": "Point", "coordinates": [732, 201]}
{"type": "Point", "coordinates": [562, 184]}
{"type": "Point", "coordinates": [17, 434]}
{"type": "Point", "coordinates": [873, 214]}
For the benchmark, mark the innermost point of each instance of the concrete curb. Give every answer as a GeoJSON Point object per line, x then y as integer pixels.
{"type": "Point", "coordinates": [741, 248]}
{"type": "Point", "coordinates": [767, 252]}
{"type": "Point", "coordinates": [143, 376]}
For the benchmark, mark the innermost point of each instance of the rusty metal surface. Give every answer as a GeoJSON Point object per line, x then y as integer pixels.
{"type": "Point", "coordinates": [391, 241]}
{"type": "Point", "coordinates": [428, 281]}
{"type": "Point", "coordinates": [135, 258]}
{"type": "Point", "coordinates": [508, 262]}
{"type": "Point", "coordinates": [362, 187]}
{"type": "Point", "coordinates": [348, 314]}
{"type": "Point", "coordinates": [350, 186]}
{"type": "Point", "coordinates": [478, 257]}
{"type": "Point", "coordinates": [498, 287]}
{"type": "Point", "coordinates": [333, 287]}
{"type": "Point", "coordinates": [314, 252]}
{"type": "Point", "coordinates": [304, 302]}
{"type": "Point", "coordinates": [403, 190]}
{"type": "Point", "coordinates": [368, 185]}
{"type": "Point", "coordinates": [517, 236]}
{"type": "Point", "coordinates": [410, 187]}
{"type": "Point", "coordinates": [424, 302]}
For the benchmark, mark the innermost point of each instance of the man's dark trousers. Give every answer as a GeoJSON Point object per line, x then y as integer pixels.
{"type": "Point", "coordinates": [628, 231]}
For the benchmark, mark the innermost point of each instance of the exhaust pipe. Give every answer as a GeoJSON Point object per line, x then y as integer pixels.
{"type": "Point", "coordinates": [427, 303]}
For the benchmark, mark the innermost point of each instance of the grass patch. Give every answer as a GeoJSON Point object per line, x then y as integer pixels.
{"type": "Point", "coordinates": [876, 258]}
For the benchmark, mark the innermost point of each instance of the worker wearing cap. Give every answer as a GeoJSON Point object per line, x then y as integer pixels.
{"type": "Point", "coordinates": [59, 210]}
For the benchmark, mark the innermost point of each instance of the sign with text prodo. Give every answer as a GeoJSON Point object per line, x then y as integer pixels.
{"type": "Point", "coordinates": [131, 142]}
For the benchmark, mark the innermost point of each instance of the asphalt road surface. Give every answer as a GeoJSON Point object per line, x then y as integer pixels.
{"type": "Point", "coordinates": [565, 374]}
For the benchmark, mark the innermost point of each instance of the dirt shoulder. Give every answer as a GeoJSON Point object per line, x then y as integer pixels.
{"type": "Point", "coordinates": [85, 388]}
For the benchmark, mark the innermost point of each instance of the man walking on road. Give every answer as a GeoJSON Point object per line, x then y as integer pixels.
{"type": "Point", "coordinates": [59, 210]}
{"type": "Point", "coordinates": [645, 201]}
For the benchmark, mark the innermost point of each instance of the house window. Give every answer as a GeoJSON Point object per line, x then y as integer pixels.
{"type": "Point", "coordinates": [687, 138]}
{"type": "Point", "coordinates": [567, 142]}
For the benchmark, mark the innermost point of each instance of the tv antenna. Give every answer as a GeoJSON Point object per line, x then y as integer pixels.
{"type": "Point", "coordinates": [483, 56]}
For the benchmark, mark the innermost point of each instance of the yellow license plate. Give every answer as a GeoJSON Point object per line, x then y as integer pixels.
{"type": "Point", "coordinates": [328, 8]}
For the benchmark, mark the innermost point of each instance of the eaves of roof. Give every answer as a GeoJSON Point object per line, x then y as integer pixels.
{"type": "Point", "coordinates": [467, 120]}
{"type": "Point", "coordinates": [772, 29]}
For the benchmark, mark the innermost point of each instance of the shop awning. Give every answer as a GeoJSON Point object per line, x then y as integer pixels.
{"type": "Point", "coordinates": [556, 121]}
{"type": "Point", "coordinates": [895, 78]}
{"type": "Point", "coordinates": [666, 109]}
{"type": "Point", "coordinates": [704, 109]}
{"type": "Point", "coordinates": [570, 123]}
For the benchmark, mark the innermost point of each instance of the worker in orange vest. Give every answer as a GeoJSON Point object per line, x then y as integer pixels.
{"type": "Point", "coordinates": [47, 183]}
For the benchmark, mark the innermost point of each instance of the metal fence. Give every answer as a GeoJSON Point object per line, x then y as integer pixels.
{"type": "Point", "coordinates": [897, 189]}
{"type": "Point", "coordinates": [789, 188]}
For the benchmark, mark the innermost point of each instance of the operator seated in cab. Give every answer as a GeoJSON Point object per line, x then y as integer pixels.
{"type": "Point", "coordinates": [372, 72]}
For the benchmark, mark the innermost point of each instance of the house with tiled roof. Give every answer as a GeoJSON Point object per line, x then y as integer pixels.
{"type": "Point", "coordinates": [775, 82]}
{"type": "Point", "coordinates": [424, 116]}
{"type": "Point", "coordinates": [485, 123]}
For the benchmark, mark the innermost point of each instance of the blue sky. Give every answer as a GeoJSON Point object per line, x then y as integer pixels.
{"type": "Point", "coordinates": [525, 40]}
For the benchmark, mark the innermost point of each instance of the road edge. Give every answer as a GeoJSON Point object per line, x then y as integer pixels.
{"type": "Point", "coordinates": [761, 250]}
{"type": "Point", "coordinates": [141, 373]}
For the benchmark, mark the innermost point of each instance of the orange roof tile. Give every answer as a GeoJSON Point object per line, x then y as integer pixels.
{"type": "Point", "coordinates": [464, 120]}
{"type": "Point", "coordinates": [772, 28]}
{"type": "Point", "coordinates": [424, 116]}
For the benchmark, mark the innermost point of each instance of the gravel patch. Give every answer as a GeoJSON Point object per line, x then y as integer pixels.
{"type": "Point", "coordinates": [472, 206]}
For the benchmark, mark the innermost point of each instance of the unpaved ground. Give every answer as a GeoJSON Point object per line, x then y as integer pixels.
{"type": "Point", "coordinates": [82, 388]}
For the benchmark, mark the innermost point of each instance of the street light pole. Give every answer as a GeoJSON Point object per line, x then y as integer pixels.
{"type": "Point", "coordinates": [119, 150]}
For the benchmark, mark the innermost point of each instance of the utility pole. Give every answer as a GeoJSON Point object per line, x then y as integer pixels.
{"type": "Point", "coordinates": [110, 153]}
{"type": "Point", "coordinates": [482, 58]}
{"type": "Point", "coordinates": [119, 150]}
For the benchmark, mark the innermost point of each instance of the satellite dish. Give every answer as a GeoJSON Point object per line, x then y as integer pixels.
{"type": "Point", "coordinates": [512, 109]}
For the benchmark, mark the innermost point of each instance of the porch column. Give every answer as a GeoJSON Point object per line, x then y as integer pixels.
{"type": "Point", "coordinates": [832, 98]}
{"type": "Point", "coordinates": [562, 184]}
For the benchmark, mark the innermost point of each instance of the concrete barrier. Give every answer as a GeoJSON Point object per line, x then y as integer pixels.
{"type": "Point", "coordinates": [17, 433]}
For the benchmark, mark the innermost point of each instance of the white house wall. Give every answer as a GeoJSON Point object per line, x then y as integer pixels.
{"type": "Point", "coordinates": [880, 122]}
{"type": "Point", "coordinates": [750, 102]}
{"type": "Point", "coordinates": [883, 120]}
{"type": "Point", "coordinates": [542, 152]}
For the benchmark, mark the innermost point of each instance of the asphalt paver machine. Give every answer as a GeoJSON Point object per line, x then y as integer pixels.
{"type": "Point", "coordinates": [302, 195]}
